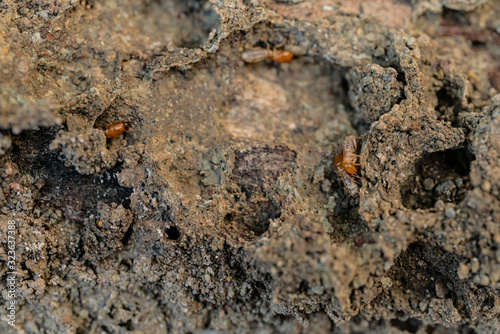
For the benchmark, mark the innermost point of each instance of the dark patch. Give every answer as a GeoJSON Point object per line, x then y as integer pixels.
{"type": "Point", "coordinates": [441, 175]}
{"type": "Point", "coordinates": [254, 218]}
{"type": "Point", "coordinates": [348, 226]}
{"type": "Point", "coordinates": [126, 264]}
{"type": "Point", "coordinates": [457, 17]}
{"type": "Point", "coordinates": [449, 96]}
{"type": "Point", "coordinates": [460, 23]}
{"type": "Point", "coordinates": [252, 167]}
{"type": "Point", "coordinates": [128, 234]}
{"type": "Point", "coordinates": [423, 265]}
{"type": "Point", "coordinates": [339, 90]}
{"type": "Point", "coordinates": [63, 187]}
{"type": "Point", "coordinates": [411, 325]}
{"type": "Point", "coordinates": [129, 326]}
{"type": "Point", "coordinates": [79, 194]}
{"type": "Point", "coordinates": [445, 103]}
{"type": "Point", "coordinates": [172, 233]}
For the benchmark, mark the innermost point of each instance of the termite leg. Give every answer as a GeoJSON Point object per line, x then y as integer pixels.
{"type": "Point", "coordinates": [356, 176]}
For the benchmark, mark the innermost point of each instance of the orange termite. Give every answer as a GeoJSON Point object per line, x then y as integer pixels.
{"type": "Point", "coordinates": [99, 223]}
{"type": "Point", "coordinates": [348, 180]}
{"type": "Point", "coordinates": [349, 148]}
{"type": "Point", "coordinates": [256, 55]}
{"type": "Point", "coordinates": [116, 129]}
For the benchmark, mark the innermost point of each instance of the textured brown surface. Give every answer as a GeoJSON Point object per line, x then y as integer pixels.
{"type": "Point", "coordinates": [221, 209]}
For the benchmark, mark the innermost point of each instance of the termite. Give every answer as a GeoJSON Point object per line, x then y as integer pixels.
{"type": "Point", "coordinates": [99, 223]}
{"type": "Point", "coordinates": [256, 55]}
{"type": "Point", "coordinates": [116, 129]}
{"type": "Point", "coordinates": [349, 148]}
{"type": "Point", "coordinates": [348, 180]}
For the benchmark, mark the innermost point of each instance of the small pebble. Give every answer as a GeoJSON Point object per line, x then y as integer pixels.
{"type": "Point", "coordinates": [441, 289]}
{"type": "Point", "coordinates": [481, 279]}
{"type": "Point", "coordinates": [423, 305]}
{"type": "Point", "coordinates": [496, 100]}
{"type": "Point", "coordinates": [428, 184]}
{"type": "Point", "coordinates": [410, 43]}
{"type": "Point", "coordinates": [318, 290]}
{"type": "Point", "coordinates": [439, 205]}
{"type": "Point", "coordinates": [486, 186]}
{"type": "Point", "coordinates": [326, 185]}
{"type": "Point", "coordinates": [474, 265]}
{"type": "Point", "coordinates": [462, 271]}
{"type": "Point", "coordinates": [450, 212]}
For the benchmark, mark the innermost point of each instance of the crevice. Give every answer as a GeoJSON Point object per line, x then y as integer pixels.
{"type": "Point", "coordinates": [440, 175]}
{"type": "Point", "coordinates": [172, 233]}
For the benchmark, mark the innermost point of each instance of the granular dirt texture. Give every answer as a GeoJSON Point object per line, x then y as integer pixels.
{"type": "Point", "coordinates": [219, 209]}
